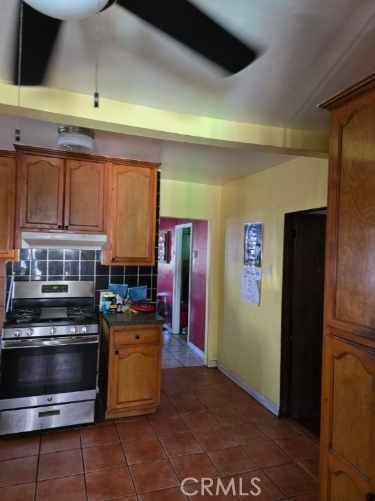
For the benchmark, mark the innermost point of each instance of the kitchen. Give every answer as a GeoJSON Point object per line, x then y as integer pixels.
{"type": "Point", "coordinates": [71, 225]}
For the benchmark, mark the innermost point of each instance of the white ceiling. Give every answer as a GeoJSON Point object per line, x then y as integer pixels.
{"type": "Point", "coordinates": [179, 161]}
{"type": "Point", "coordinates": [312, 49]}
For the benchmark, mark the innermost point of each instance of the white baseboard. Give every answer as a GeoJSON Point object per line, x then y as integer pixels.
{"type": "Point", "coordinates": [212, 363]}
{"type": "Point", "coordinates": [262, 399]}
{"type": "Point", "coordinates": [197, 351]}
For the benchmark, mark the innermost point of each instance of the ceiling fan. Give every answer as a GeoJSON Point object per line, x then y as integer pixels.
{"type": "Point", "coordinates": [40, 22]}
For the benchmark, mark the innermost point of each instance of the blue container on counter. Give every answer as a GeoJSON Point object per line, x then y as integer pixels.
{"type": "Point", "coordinates": [137, 294]}
{"type": "Point", "coordinates": [121, 290]}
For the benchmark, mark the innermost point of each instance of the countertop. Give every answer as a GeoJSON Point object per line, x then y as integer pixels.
{"type": "Point", "coordinates": [116, 319]}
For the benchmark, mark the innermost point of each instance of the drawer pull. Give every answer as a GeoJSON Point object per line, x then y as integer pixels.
{"type": "Point", "coordinates": [49, 413]}
{"type": "Point", "coordinates": [116, 352]}
{"type": "Point", "coordinates": [370, 497]}
{"type": "Point", "coordinates": [137, 337]}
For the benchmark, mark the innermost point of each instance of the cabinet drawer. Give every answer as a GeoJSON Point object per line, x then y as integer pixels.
{"type": "Point", "coordinates": [136, 336]}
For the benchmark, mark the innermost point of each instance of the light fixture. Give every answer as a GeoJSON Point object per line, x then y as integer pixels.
{"type": "Point", "coordinates": [75, 138]}
{"type": "Point", "coordinates": [68, 9]}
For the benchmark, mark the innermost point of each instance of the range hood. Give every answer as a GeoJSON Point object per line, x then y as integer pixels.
{"type": "Point", "coordinates": [44, 240]}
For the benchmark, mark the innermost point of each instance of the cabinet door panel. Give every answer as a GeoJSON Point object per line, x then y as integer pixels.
{"type": "Point", "coordinates": [41, 191]}
{"type": "Point", "coordinates": [135, 376]}
{"type": "Point", "coordinates": [133, 214]}
{"type": "Point", "coordinates": [84, 194]}
{"type": "Point", "coordinates": [355, 294]}
{"type": "Point", "coordinates": [8, 202]}
{"type": "Point", "coordinates": [349, 408]}
{"type": "Point", "coordinates": [345, 486]}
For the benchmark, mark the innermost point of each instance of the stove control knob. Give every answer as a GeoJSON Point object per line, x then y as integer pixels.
{"type": "Point", "coordinates": [29, 332]}
{"type": "Point", "coordinates": [17, 334]}
{"type": "Point", "coordinates": [84, 330]}
{"type": "Point", "coordinates": [73, 330]}
{"type": "Point", "coordinates": [52, 331]}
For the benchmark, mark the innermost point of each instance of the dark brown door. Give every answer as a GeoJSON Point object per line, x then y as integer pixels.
{"type": "Point", "coordinates": [41, 192]}
{"type": "Point", "coordinates": [304, 269]}
{"type": "Point", "coordinates": [84, 194]}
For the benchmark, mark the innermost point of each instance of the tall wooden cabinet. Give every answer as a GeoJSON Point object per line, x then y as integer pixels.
{"type": "Point", "coordinates": [348, 400]}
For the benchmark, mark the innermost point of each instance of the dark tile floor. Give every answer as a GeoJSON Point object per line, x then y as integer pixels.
{"type": "Point", "coordinates": [206, 427]}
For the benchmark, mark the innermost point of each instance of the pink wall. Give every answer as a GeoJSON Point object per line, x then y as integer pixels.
{"type": "Point", "coordinates": [198, 278]}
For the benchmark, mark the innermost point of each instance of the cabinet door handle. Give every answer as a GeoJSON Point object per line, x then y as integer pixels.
{"type": "Point", "coordinates": [116, 352]}
{"type": "Point", "coordinates": [370, 496]}
{"type": "Point", "coordinates": [137, 337]}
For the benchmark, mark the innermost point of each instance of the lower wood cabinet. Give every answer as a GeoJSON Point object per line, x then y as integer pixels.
{"type": "Point", "coordinates": [134, 370]}
{"type": "Point", "coordinates": [348, 466]}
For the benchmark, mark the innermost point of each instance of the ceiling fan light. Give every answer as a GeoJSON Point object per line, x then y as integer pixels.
{"type": "Point", "coordinates": [68, 9]}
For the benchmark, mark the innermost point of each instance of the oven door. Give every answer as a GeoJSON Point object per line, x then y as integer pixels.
{"type": "Point", "coordinates": [38, 367]}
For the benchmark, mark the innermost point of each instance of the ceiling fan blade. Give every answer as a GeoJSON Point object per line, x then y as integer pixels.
{"type": "Point", "coordinates": [39, 35]}
{"type": "Point", "coordinates": [190, 26]}
{"type": "Point", "coordinates": [107, 5]}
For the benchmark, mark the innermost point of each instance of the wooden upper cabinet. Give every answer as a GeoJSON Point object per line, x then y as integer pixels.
{"type": "Point", "coordinates": [355, 286]}
{"type": "Point", "coordinates": [7, 203]}
{"type": "Point", "coordinates": [132, 214]}
{"type": "Point", "coordinates": [41, 191]}
{"type": "Point", "coordinates": [84, 196]}
{"type": "Point", "coordinates": [350, 290]}
{"type": "Point", "coordinates": [60, 193]}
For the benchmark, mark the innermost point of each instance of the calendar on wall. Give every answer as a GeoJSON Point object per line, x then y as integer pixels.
{"type": "Point", "coordinates": [252, 263]}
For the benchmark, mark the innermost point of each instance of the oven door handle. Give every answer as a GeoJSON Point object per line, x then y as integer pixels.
{"type": "Point", "coordinates": [45, 343]}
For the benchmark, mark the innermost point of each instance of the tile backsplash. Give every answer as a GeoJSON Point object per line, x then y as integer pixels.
{"type": "Point", "coordinates": [72, 264]}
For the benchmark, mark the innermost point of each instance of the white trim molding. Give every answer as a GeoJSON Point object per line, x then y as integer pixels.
{"type": "Point", "coordinates": [259, 397]}
{"type": "Point", "coordinates": [211, 364]}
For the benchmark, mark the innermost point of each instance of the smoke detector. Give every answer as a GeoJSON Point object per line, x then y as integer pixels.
{"type": "Point", "coordinates": [75, 138]}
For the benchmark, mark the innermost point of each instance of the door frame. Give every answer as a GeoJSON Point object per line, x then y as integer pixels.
{"type": "Point", "coordinates": [286, 358]}
{"type": "Point", "coordinates": [176, 297]}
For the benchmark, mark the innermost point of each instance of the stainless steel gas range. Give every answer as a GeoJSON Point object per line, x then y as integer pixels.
{"type": "Point", "coordinates": [49, 357]}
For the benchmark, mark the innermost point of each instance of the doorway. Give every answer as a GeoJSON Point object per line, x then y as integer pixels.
{"type": "Point", "coordinates": [182, 280]}
{"type": "Point", "coordinates": [302, 317]}
{"type": "Point", "coordinates": [182, 290]}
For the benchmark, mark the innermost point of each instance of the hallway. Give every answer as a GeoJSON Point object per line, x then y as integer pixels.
{"type": "Point", "coordinates": [177, 353]}
{"type": "Point", "coordinates": [206, 427]}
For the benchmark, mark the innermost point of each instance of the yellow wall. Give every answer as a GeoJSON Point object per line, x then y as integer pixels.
{"type": "Point", "coordinates": [200, 201]}
{"type": "Point", "coordinates": [250, 337]}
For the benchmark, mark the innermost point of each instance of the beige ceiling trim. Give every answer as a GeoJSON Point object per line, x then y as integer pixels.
{"type": "Point", "coordinates": [65, 107]}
